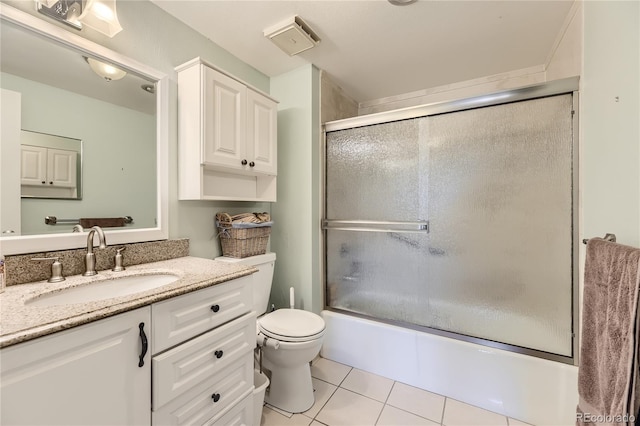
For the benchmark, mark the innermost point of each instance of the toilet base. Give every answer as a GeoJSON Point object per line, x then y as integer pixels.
{"type": "Point", "coordinates": [291, 389]}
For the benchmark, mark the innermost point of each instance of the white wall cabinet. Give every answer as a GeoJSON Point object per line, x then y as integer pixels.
{"type": "Point", "coordinates": [47, 168]}
{"type": "Point", "coordinates": [86, 375]}
{"type": "Point", "coordinates": [227, 137]}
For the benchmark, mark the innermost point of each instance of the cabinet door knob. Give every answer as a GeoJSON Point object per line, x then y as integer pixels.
{"type": "Point", "coordinates": [243, 162]}
{"type": "Point", "coordinates": [43, 182]}
{"type": "Point", "coordinates": [215, 308]}
{"type": "Point", "coordinates": [252, 164]}
{"type": "Point", "coordinates": [216, 397]}
{"type": "Point", "coordinates": [219, 354]}
{"type": "Point", "coordinates": [51, 183]}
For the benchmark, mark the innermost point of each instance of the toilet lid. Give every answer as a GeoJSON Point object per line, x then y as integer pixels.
{"type": "Point", "coordinates": [291, 325]}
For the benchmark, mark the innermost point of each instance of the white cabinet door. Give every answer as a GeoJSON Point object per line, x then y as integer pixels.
{"type": "Point", "coordinates": [225, 103]}
{"type": "Point", "coordinates": [262, 133]}
{"type": "Point", "coordinates": [47, 166]}
{"type": "Point", "coordinates": [61, 168]}
{"type": "Point", "coordinates": [87, 375]}
{"type": "Point", "coordinates": [33, 165]}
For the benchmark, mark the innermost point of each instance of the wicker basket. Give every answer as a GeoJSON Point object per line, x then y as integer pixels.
{"type": "Point", "coordinates": [241, 242]}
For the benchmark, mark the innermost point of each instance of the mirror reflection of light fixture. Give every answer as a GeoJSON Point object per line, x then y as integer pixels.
{"type": "Point", "coordinates": [97, 14]}
{"type": "Point", "coordinates": [401, 2]}
{"type": "Point", "coordinates": [106, 71]}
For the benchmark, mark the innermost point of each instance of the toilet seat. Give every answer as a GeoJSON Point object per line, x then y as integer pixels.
{"type": "Point", "coordinates": [292, 325]}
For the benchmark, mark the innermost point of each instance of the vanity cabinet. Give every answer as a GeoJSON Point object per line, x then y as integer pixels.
{"type": "Point", "coordinates": [227, 137]}
{"type": "Point", "coordinates": [194, 366]}
{"type": "Point", "coordinates": [86, 375]}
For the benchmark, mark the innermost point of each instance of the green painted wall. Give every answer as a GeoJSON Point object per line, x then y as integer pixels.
{"type": "Point", "coordinates": [116, 160]}
{"type": "Point", "coordinates": [296, 235]}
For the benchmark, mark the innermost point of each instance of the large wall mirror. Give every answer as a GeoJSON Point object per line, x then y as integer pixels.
{"type": "Point", "coordinates": [59, 86]}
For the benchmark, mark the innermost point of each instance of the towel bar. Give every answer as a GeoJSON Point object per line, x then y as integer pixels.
{"type": "Point", "coordinates": [607, 237]}
{"type": "Point", "coordinates": [52, 220]}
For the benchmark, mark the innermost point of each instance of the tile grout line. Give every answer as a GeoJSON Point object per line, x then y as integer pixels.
{"type": "Point", "coordinates": [326, 402]}
{"type": "Point", "coordinates": [384, 404]}
{"type": "Point", "coordinates": [314, 418]}
{"type": "Point", "coordinates": [444, 407]}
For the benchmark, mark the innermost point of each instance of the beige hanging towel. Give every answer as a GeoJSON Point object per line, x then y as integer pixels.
{"type": "Point", "coordinates": [104, 222]}
{"type": "Point", "coordinates": [608, 370]}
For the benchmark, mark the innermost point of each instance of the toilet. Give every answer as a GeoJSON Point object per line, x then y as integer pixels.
{"type": "Point", "coordinates": [290, 339]}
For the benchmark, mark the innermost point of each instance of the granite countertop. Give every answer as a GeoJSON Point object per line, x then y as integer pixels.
{"type": "Point", "coordinates": [20, 321]}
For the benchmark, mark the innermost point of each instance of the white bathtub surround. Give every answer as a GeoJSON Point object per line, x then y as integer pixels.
{"type": "Point", "coordinates": [537, 391]}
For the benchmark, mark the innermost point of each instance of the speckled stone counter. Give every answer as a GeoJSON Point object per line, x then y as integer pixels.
{"type": "Point", "coordinates": [20, 269]}
{"type": "Point", "coordinates": [20, 321]}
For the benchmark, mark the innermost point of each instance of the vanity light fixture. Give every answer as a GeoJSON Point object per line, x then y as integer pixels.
{"type": "Point", "coordinates": [106, 71]}
{"type": "Point", "coordinates": [292, 36]}
{"type": "Point", "coordinates": [97, 14]}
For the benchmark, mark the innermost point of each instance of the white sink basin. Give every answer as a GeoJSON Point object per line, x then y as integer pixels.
{"type": "Point", "coordinates": [108, 289]}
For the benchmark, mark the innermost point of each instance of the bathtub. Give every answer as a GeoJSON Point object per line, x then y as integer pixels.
{"type": "Point", "coordinates": [523, 387]}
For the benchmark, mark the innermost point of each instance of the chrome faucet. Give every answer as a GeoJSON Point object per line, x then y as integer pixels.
{"type": "Point", "coordinates": [90, 257]}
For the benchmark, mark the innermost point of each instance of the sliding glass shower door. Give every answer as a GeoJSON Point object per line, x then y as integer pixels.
{"type": "Point", "coordinates": [460, 222]}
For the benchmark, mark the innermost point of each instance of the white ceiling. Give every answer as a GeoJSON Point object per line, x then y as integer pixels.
{"type": "Point", "coordinates": [373, 49]}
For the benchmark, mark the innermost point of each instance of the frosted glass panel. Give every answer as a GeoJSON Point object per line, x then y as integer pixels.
{"type": "Point", "coordinates": [495, 184]}
{"type": "Point", "coordinates": [380, 274]}
{"type": "Point", "coordinates": [500, 210]}
{"type": "Point", "coordinates": [373, 173]}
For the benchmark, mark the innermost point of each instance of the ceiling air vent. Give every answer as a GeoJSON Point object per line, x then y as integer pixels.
{"type": "Point", "coordinates": [292, 36]}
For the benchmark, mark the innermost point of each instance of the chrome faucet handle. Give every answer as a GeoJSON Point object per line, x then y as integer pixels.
{"type": "Point", "coordinates": [56, 268]}
{"type": "Point", "coordinates": [118, 260]}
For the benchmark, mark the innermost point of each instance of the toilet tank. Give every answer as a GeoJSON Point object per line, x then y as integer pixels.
{"type": "Point", "coordinates": [261, 279]}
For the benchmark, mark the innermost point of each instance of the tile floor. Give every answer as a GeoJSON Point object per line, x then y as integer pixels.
{"type": "Point", "coordinates": [346, 396]}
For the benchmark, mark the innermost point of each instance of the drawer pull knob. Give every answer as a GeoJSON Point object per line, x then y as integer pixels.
{"type": "Point", "coordinates": [215, 308]}
{"type": "Point", "coordinates": [216, 397]}
{"type": "Point", "coordinates": [219, 354]}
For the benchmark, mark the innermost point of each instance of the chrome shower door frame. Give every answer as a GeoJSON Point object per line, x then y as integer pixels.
{"type": "Point", "coordinates": [558, 87]}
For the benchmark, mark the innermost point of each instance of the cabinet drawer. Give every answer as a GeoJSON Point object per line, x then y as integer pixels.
{"type": "Point", "coordinates": [240, 414]}
{"type": "Point", "coordinates": [198, 360]}
{"type": "Point", "coordinates": [181, 318]}
{"type": "Point", "coordinates": [198, 406]}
